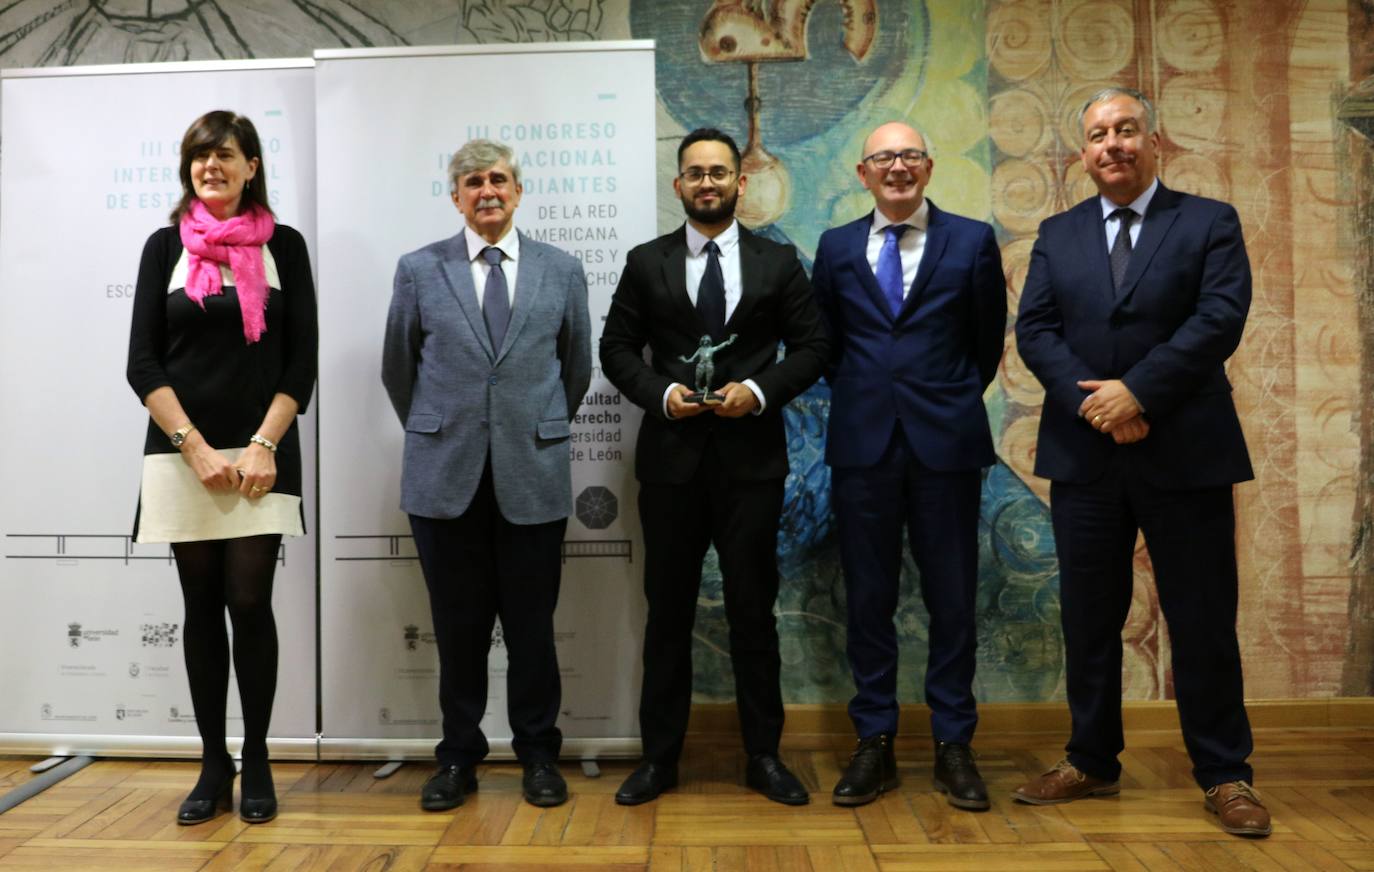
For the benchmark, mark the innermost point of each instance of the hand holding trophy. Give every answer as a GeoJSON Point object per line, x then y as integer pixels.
{"type": "Point", "coordinates": [706, 368]}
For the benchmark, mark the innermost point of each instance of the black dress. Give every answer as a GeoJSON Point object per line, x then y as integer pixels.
{"type": "Point", "coordinates": [224, 383]}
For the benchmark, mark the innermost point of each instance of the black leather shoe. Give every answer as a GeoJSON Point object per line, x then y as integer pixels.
{"type": "Point", "coordinates": [956, 776]}
{"type": "Point", "coordinates": [257, 810]}
{"type": "Point", "coordinates": [544, 785]}
{"type": "Point", "coordinates": [646, 783]}
{"type": "Point", "coordinates": [198, 811]}
{"type": "Point", "coordinates": [872, 770]}
{"type": "Point", "coordinates": [767, 774]}
{"type": "Point", "coordinates": [447, 787]}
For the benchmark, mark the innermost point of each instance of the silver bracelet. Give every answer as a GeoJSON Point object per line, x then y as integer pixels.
{"type": "Point", "coordinates": [264, 442]}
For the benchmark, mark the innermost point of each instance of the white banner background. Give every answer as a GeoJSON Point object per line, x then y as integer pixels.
{"type": "Point", "coordinates": [581, 120]}
{"type": "Point", "coordinates": [90, 631]}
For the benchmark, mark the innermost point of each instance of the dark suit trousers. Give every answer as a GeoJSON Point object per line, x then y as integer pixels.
{"type": "Point", "coordinates": [479, 566]}
{"type": "Point", "coordinates": [940, 513]}
{"type": "Point", "coordinates": [680, 520]}
{"type": "Point", "coordinates": [1190, 536]}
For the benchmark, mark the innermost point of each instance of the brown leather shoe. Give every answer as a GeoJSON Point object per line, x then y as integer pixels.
{"type": "Point", "coordinates": [1239, 808]}
{"type": "Point", "coordinates": [1064, 783]}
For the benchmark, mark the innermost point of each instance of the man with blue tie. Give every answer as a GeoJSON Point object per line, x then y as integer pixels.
{"type": "Point", "coordinates": [1133, 302]}
{"type": "Point", "coordinates": [486, 359]}
{"type": "Point", "coordinates": [915, 302]}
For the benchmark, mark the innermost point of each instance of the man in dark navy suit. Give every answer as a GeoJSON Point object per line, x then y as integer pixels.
{"type": "Point", "coordinates": [915, 301]}
{"type": "Point", "coordinates": [1133, 302]}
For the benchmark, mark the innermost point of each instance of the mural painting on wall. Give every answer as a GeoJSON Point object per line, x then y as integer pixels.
{"type": "Point", "coordinates": [995, 86]}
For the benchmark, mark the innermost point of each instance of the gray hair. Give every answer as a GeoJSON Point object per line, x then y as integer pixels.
{"type": "Point", "coordinates": [1111, 94]}
{"type": "Point", "coordinates": [475, 156]}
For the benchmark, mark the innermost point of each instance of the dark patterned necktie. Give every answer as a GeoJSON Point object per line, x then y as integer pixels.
{"type": "Point", "coordinates": [889, 272]}
{"type": "Point", "coordinates": [1121, 247]}
{"type": "Point", "coordinates": [711, 294]}
{"type": "Point", "coordinates": [495, 299]}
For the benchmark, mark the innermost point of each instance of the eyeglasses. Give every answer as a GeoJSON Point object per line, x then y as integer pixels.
{"type": "Point", "coordinates": [694, 175]}
{"type": "Point", "coordinates": [912, 157]}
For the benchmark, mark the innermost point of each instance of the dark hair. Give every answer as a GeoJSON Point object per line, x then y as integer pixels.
{"type": "Point", "coordinates": [708, 134]}
{"type": "Point", "coordinates": [210, 131]}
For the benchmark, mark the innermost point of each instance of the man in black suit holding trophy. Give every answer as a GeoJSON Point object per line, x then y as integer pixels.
{"type": "Point", "coordinates": [711, 462]}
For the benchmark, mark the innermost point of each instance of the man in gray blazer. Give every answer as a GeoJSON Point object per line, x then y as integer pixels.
{"type": "Point", "coordinates": [487, 357]}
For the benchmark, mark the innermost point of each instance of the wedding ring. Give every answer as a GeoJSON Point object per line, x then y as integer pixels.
{"type": "Point", "coordinates": [257, 490]}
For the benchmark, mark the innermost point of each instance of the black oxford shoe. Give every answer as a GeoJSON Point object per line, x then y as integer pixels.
{"type": "Point", "coordinates": [198, 811]}
{"type": "Point", "coordinates": [767, 774]}
{"type": "Point", "coordinates": [448, 787]}
{"type": "Point", "coordinates": [956, 776]}
{"type": "Point", "coordinates": [646, 783]}
{"type": "Point", "coordinates": [543, 785]}
{"type": "Point", "coordinates": [872, 770]}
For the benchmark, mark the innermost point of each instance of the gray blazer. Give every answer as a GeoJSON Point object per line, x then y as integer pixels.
{"type": "Point", "coordinates": [460, 400]}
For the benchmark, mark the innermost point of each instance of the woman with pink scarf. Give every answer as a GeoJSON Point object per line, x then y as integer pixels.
{"type": "Point", "coordinates": [222, 352]}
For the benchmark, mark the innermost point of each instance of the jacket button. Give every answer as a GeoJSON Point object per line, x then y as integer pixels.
{"type": "Point", "coordinates": [492, 380]}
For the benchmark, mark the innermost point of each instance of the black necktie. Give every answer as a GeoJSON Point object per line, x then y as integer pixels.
{"type": "Point", "coordinates": [1121, 247]}
{"type": "Point", "coordinates": [711, 294]}
{"type": "Point", "coordinates": [495, 299]}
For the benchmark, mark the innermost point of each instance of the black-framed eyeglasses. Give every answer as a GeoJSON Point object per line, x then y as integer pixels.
{"type": "Point", "coordinates": [694, 175]}
{"type": "Point", "coordinates": [912, 157]}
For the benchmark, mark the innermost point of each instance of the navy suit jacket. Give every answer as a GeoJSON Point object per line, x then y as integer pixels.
{"type": "Point", "coordinates": [1166, 333]}
{"type": "Point", "coordinates": [929, 365]}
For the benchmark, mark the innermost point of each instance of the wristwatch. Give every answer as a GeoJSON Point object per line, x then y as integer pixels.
{"type": "Point", "coordinates": [179, 437]}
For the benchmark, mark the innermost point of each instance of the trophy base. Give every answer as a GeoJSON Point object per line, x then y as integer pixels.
{"type": "Point", "coordinates": [704, 398]}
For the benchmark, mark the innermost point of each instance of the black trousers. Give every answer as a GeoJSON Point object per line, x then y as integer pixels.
{"type": "Point", "coordinates": [1190, 535]}
{"type": "Point", "coordinates": [741, 519]}
{"type": "Point", "coordinates": [479, 567]}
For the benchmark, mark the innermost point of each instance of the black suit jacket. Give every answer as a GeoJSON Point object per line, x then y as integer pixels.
{"type": "Point", "coordinates": [1166, 333]}
{"type": "Point", "coordinates": [651, 308]}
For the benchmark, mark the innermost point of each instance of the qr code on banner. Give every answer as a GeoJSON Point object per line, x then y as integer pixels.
{"type": "Point", "coordinates": [159, 635]}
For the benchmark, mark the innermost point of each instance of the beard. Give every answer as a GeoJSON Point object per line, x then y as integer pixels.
{"type": "Point", "coordinates": [722, 211]}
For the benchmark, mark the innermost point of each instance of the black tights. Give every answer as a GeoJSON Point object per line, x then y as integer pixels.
{"type": "Point", "coordinates": [237, 574]}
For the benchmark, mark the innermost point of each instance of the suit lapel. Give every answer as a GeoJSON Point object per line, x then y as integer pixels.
{"type": "Point", "coordinates": [527, 283]}
{"type": "Point", "coordinates": [675, 277]}
{"type": "Point", "coordinates": [1159, 217]}
{"type": "Point", "coordinates": [857, 248]}
{"type": "Point", "coordinates": [1091, 232]}
{"type": "Point", "coordinates": [751, 269]}
{"type": "Point", "coordinates": [937, 236]}
{"type": "Point", "coordinates": [457, 269]}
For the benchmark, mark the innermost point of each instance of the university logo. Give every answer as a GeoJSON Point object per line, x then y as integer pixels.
{"type": "Point", "coordinates": [384, 715]}
{"type": "Point", "coordinates": [412, 637]}
{"type": "Point", "coordinates": [133, 670]}
{"type": "Point", "coordinates": [74, 635]}
{"type": "Point", "coordinates": [119, 713]}
{"type": "Point", "coordinates": [46, 711]}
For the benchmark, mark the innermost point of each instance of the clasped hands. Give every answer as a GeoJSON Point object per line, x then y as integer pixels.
{"type": "Point", "coordinates": [739, 401]}
{"type": "Point", "coordinates": [1112, 409]}
{"type": "Point", "coordinates": [253, 476]}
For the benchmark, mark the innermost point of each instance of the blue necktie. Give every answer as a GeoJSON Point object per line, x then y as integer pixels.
{"type": "Point", "coordinates": [495, 299]}
{"type": "Point", "coordinates": [889, 270]}
{"type": "Point", "coordinates": [711, 294]}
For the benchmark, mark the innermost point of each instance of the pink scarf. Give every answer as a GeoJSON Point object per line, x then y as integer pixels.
{"type": "Point", "coordinates": [238, 242]}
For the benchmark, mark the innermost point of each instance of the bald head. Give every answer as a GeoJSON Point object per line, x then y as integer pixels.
{"type": "Point", "coordinates": [896, 168]}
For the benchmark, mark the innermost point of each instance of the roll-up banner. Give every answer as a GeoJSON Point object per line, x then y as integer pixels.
{"type": "Point", "coordinates": [92, 624]}
{"type": "Point", "coordinates": [580, 118]}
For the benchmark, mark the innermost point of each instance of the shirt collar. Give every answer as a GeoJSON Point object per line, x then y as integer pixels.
{"type": "Point", "coordinates": [509, 244]}
{"type": "Point", "coordinates": [919, 219]}
{"type": "Point", "coordinates": [725, 240]}
{"type": "Point", "coordinates": [1138, 205]}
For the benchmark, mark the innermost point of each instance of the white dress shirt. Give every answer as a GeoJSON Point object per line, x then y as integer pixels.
{"type": "Point", "coordinates": [510, 261]}
{"type": "Point", "coordinates": [728, 243]}
{"type": "Point", "coordinates": [911, 246]}
{"type": "Point", "coordinates": [1138, 206]}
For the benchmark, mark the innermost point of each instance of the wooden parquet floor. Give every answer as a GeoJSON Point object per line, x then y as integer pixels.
{"type": "Point", "coordinates": [118, 814]}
